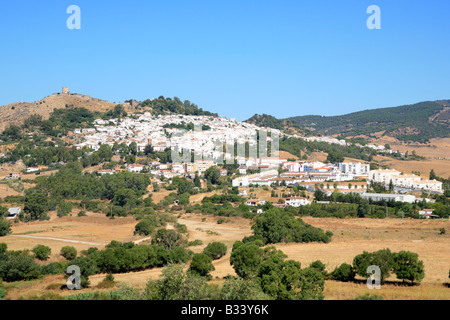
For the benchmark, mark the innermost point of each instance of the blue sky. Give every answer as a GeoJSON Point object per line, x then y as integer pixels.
{"type": "Point", "coordinates": [236, 58]}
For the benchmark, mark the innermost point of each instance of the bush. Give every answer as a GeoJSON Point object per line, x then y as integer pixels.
{"type": "Point", "coordinates": [5, 227]}
{"type": "Point", "coordinates": [69, 252]}
{"type": "Point", "coordinates": [319, 266]}
{"type": "Point", "coordinates": [344, 272]}
{"type": "Point", "coordinates": [53, 268]}
{"type": "Point", "coordinates": [442, 231]}
{"type": "Point", "coordinates": [215, 250]}
{"type": "Point", "coordinates": [42, 252]}
{"type": "Point", "coordinates": [144, 227]}
{"type": "Point", "coordinates": [18, 267]}
{"type": "Point", "coordinates": [194, 243]}
{"type": "Point", "coordinates": [367, 296]}
{"type": "Point", "coordinates": [275, 226]}
{"type": "Point", "coordinates": [82, 213]}
{"type": "Point", "coordinates": [3, 248]}
{"type": "Point", "coordinates": [2, 293]}
{"type": "Point", "coordinates": [201, 265]}
{"type": "Point", "coordinates": [64, 208]}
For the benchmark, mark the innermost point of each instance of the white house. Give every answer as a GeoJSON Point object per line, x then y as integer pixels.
{"type": "Point", "coordinates": [427, 213]}
{"type": "Point", "coordinates": [135, 167]}
{"type": "Point", "coordinates": [255, 202]}
{"type": "Point", "coordinates": [13, 212]}
{"type": "Point", "coordinates": [296, 201]}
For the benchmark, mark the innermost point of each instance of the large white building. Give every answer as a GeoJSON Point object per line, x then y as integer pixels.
{"type": "Point", "coordinates": [389, 197]}
{"type": "Point", "coordinates": [409, 181]}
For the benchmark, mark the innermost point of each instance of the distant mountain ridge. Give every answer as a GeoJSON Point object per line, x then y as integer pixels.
{"type": "Point", "coordinates": [417, 122]}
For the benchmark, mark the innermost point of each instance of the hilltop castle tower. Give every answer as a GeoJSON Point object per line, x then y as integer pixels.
{"type": "Point", "coordinates": [65, 90]}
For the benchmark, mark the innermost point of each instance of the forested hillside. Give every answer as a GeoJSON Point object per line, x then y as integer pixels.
{"type": "Point", "coordinates": [418, 122]}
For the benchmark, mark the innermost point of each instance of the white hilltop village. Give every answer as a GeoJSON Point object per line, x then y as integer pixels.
{"type": "Point", "coordinates": [207, 146]}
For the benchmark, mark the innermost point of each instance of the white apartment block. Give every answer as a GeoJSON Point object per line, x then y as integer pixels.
{"type": "Point", "coordinates": [355, 168]}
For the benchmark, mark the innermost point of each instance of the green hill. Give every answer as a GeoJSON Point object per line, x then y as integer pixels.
{"type": "Point", "coordinates": [286, 125]}
{"type": "Point", "coordinates": [418, 122]}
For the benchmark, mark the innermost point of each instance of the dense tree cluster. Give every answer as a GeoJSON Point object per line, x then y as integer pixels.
{"type": "Point", "coordinates": [276, 225]}
{"type": "Point", "coordinates": [163, 105]}
{"type": "Point", "coordinates": [279, 278]}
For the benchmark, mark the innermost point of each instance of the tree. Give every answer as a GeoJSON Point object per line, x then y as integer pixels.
{"type": "Point", "coordinates": [407, 266]}
{"type": "Point", "coordinates": [285, 280]}
{"type": "Point", "coordinates": [18, 267]}
{"type": "Point", "coordinates": [215, 250]}
{"type": "Point", "coordinates": [5, 227]}
{"type": "Point", "coordinates": [381, 258]}
{"type": "Point", "coordinates": [166, 238]}
{"type": "Point", "coordinates": [391, 186]}
{"type": "Point", "coordinates": [64, 208]}
{"type": "Point", "coordinates": [344, 272]}
{"type": "Point", "coordinates": [42, 252]}
{"type": "Point", "coordinates": [125, 197]}
{"type": "Point", "coordinates": [363, 208]}
{"type": "Point", "coordinates": [433, 175]}
{"type": "Point", "coordinates": [88, 267]}
{"type": "Point", "coordinates": [144, 227]}
{"type": "Point", "coordinates": [36, 204]}
{"type": "Point", "coordinates": [185, 186]}
{"type": "Point", "coordinates": [69, 252]}
{"type": "Point", "coordinates": [319, 266]}
{"type": "Point", "coordinates": [197, 181]}
{"type": "Point", "coordinates": [201, 265]}
{"type": "Point", "coordinates": [212, 175]}
{"type": "Point", "coordinates": [334, 157]}
{"type": "Point", "coordinates": [246, 259]}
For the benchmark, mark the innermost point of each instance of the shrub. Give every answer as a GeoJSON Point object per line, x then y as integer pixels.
{"type": "Point", "coordinates": [201, 265]}
{"type": "Point", "coordinates": [194, 243]}
{"type": "Point", "coordinates": [367, 296]}
{"type": "Point", "coordinates": [82, 213]}
{"type": "Point", "coordinates": [53, 268]}
{"type": "Point", "coordinates": [5, 227]}
{"type": "Point", "coordinates": [42, 252]}
{"type": "Point", "coordinates": [64, 208]}
{"type": "Point", "coordinates": [2, 293]}
{"type": "Point", "coordinates": [442, 231]}
{"type": "Point", "coordinates": [215, 250]}
{"type": "Point", "coordinates": [319, 266]}
{"type": "Point", "coordinates": [18, 267]}
{"type": "Point", "coordinates": [3, 248]}
{"type": "Point", "coordinates": [344, 272]}
{"type": "Point", "coordinates": [144, 227]}
{"type": "Point", "coordinates": [69, 252]}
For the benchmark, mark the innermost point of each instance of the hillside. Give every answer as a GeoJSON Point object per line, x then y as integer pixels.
{"type": "Point", "coordinates": [286, 125]}
{"type": "Point", "coordinates": [419, 122]}
{"type": "Point", "coordinates": [16, 113]}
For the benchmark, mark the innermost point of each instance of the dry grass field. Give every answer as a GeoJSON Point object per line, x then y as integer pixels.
{"type": "Point", "coordinates": [351, 237]}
